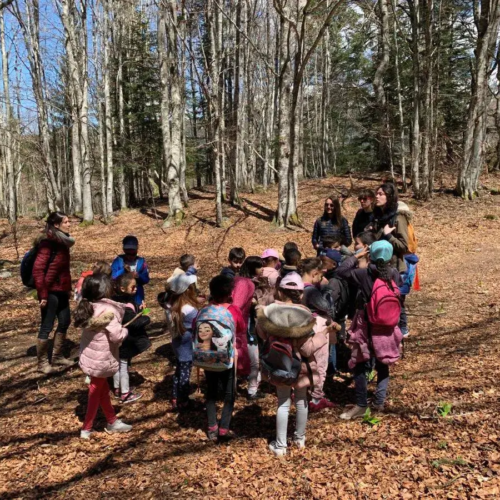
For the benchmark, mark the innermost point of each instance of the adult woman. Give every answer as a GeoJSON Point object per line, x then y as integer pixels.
{"type": "Point", "coordinates": [51, 273]}
{"type": "Point", "coordinates": [390, 222]}
{"type": "Point", "coordinates": [243, 297]}
{"type": "Point", "coordinates": [364, 216]}
{"type": "Point", "coordinates": [331, 223]}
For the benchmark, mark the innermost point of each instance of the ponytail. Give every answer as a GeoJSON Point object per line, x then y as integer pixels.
{"type": "Point", "coordinates": [384, 270]}
{"type": "Point", "coordinates": [83, 313]}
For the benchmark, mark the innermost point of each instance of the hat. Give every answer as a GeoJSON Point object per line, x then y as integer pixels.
{"type": "Point", "coordinates": [130, 242]}
{"type": "Point", "coordinates": [334, 255]}
{"type": "Point", "coordinates": [292, 281]}
{"type": "Point", "coordinates": [381, 250]}
{"type": "Point", "coordinates": [270, 252]}
{"type": "Point", "coordinates": [181, 283]}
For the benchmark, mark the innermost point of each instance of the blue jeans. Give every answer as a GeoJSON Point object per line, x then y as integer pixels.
{"type": "Point", "coordinates": [361, 382]}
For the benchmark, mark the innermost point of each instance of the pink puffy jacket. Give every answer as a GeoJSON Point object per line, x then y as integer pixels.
{"type": "Point", "coordinates": [102, 338]}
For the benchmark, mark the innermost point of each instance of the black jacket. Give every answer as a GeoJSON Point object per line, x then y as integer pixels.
{"type": "Point", "coordinates": [137, 340]}
{"type": "Point", "coordinates": [361, 221]}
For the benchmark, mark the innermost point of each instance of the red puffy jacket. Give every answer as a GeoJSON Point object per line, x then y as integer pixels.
{"type": "Point", "coordinates": [58, 276]}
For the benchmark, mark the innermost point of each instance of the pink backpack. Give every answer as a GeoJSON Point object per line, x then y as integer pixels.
{"type": "Point", "coordinates": [384, 307]}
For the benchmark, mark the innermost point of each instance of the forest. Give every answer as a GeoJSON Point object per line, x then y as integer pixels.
{"type": "Point", "coordinates": [110, 104]}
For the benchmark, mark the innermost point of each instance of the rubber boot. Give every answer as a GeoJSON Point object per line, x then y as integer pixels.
{"type": "Point", "coordinates": [42, 347]}
{"type": "Point", "coordinates": [57, 355]}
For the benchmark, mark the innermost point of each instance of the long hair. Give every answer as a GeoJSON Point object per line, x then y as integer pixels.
{"type": "Point", "coordinates": [294, 295]}
{"type": "Point", "coordinates": [336, 216]}
{"type": "Point", "coordinates": [250, 266]}
{"type": "Point", "coordinates": [55, 218]}
{"type": "Point", "coordinates": [188, 297]}
{"type": "Point", "coordinates": [94, 288]}
{"type": "Point", "coordinates": [384, 271]}
{"type": "Point", "coordinates": [391, 193]}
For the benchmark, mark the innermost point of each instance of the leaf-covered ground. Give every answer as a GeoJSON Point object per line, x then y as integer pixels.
{"type": "Point", "coordinates": [451, 357]}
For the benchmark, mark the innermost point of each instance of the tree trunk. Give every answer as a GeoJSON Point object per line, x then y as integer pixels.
{"type": "Point", "coordinates": [108, 109]}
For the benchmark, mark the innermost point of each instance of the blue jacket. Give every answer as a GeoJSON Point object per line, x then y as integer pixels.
{"type": "Point", "coordinates": [118, 268]}
{"type": "Point", "coordinates": [325, 227]}
{"type": "Point", "coordinates": [408, 277]}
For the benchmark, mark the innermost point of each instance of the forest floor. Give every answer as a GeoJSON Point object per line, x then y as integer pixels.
{"type": "Point", "coordinates": [451, 357]}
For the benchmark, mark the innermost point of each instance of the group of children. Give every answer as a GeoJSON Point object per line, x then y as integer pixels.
{"type": "Point", "coordinates": [281, 320]}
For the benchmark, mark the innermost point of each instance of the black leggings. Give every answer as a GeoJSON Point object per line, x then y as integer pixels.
{"type": "Point", "coordinates": [226, 379]}
{"type": "Point", "coordinates": [57, 307]}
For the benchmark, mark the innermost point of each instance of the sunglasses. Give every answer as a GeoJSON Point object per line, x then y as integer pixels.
{"type": "Point", "coordinates": [362, 198]}
{"type": "Point", "coordinates": [328, 204]}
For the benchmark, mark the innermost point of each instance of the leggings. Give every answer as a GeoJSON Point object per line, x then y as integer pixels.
{"type": "Point", "coordinates": [284, 403]}
{"type": "Point", "coordinates": [98, 396]}
{"type": "Point", "coordinates": [57, 307]}
{"type": "Point", "coordinates": [361, 383]}
{"type": "Point", "coordinates": [121, 378]}
{"type": "Point", "coordinates": [226, 379]}
{"type": "Point", "coordinates": [254, 377]}
{"type": "Point", "coordinates": [181, 387]}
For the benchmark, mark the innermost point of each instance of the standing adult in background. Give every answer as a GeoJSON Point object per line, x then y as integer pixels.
{"type": "Point", "coordinates": [331, 223]}
{"type": "Point", "coordinates": [390, 222]}
{"type": "Point", "coordinates": [52, 277]}
{"type": "Point", "coordinates": [364, 216]}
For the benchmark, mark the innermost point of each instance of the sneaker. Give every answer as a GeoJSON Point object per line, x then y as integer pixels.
{"type": "Point", "coordinates": [117, 427]}
{"type": "Point", "coordinates": [226, 435]}
{"type": "Point", "coordinates": [405, 332]}
{"type": "Point", "coordinates": [85, 434]}
{"type": "Point", "coordinates": [299, 442]}
{"type": "Point", "coordinates": [130, 397]}
{"type": "Point", "coordinates": [354, 412]}
{"type": "Point", "coordinates": [257, 395]}
{"type": "Point", "coordinates": [116, 393]}
{"type": "Point", "coordinates": [213, 433]}
{"type": "Point", "coordinates": [279, 452]}
{"type": "Point", "coordinates": [320, 405]}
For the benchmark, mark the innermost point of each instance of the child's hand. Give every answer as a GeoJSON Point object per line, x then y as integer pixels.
{"type": "Point", "coordinates": [388, 229]}
{"type": "Point", "coordinates": [364, 253]}
{"type": "Point", "coordinates": [143, 305]}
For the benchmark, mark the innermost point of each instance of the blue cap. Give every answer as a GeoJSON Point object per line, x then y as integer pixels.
{"type": "Point", "coordinates": [381, 250]}
{"type": "Point", "coordinates": [334, 255]}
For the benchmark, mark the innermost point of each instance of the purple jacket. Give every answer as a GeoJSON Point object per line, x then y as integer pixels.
{"type": "Point", "coordinates": [384, 343]}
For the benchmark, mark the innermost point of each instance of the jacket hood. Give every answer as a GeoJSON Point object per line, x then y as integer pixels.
{"type": "Point", "coordinates": [404, 209]}
{"type": "Point", "coordinates": [286, 321]}
{"type": "Point", "coordinates": [100, 322]}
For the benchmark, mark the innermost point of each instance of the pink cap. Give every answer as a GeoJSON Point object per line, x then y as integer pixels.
{"type": "Point", "coordinates": [270, 252]}
{"type": "Point", "coordinates": [292, 281]}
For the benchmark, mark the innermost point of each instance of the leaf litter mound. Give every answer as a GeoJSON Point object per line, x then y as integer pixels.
{"type": "Point", "coordinates": [439, 438]}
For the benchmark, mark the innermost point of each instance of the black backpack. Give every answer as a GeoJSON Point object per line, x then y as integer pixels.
{"type": "Point", "coordinates": [337, 295]}
{"type": "Point", "coordinates": [28, 262]}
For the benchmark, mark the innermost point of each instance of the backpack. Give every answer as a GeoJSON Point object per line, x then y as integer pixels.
{"type": "Point", "coordinates": [340, 304]}
{"type": "Point", "coordinates": [280, 365]}
{"type": "Point", "coordinates": [28, 262]}
{"type": "Point", "coordinates": [384, 307]}
{"type": "Point", "coordinates": [214, 351]}
{"type": "Point", "coordinates": [412, 239]}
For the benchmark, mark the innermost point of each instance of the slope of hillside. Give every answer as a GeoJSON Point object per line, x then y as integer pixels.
{"type": "Point", "coordinates": [451, 356]}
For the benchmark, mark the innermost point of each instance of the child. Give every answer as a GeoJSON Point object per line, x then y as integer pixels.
{"type": "Point", "coordinates": [312, 274]}
{"type": "Point", "coordinates": [271, 263]}
{"type": "Point", "coordinates": [367, 339]}
{"type": "Point", "coordinates": [183, 309]}
{"type": "Point", "coordinates": [102, 334]}
{"type": "Point", "coordinates": [288, 320]}
{"type": "Point", "coordinates": [243, 297]}
{"type": "Point", "coordinates": [333, 244]}
{"type": "Point", "coordinates": [407, 279]}
{"type": "Point", "coordinates": [98, 268]}
{"type": "Point", "coordinates": [292, 258]}
{"type": "Point", "coordinates": [137, 340]}
{"type": "Point", "coordinates": [129, 262]}
{"type": "Point", "coordinates": [362, 243]}
{"type": "Point", "coordinates": [187, 265]}
{"type": "Point", "coordinates": [221, 288]}
{"type": "Point", "coordinates": [364, 216]}
{"type": "Point", "coordinates": [236, 258]}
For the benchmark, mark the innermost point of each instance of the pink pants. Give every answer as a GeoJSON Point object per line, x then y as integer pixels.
{"type": "Point", "coordinates": [98, 396]}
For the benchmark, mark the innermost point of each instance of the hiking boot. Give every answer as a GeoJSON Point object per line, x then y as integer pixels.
{"type": "Point", "coordinates": [354, 412]}
{"type": "Point", "coordinates": [320, 405]}
{"type": "Point", "coordinates": [379, 408]}
{"type": "Point", "coordinates": [130, 397]}
{"type": "Point", "coordinates": [117, 427]}
{"type": "Point", "coordinates": [299, 442]}
{"type": "Point", "coordinates": [85, 434]}
{"type": "Point", "coordinates": [57, 355]}
{"type": "Point", "coordinates": [256, 396]}
{"type": "Point", "coordinates": [42, 347]}
{"type": "Point", "coordinates": [279, 452]}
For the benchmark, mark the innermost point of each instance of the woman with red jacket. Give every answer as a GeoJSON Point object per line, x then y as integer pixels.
{"type": "Point", "coordinates": [51, 273]}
